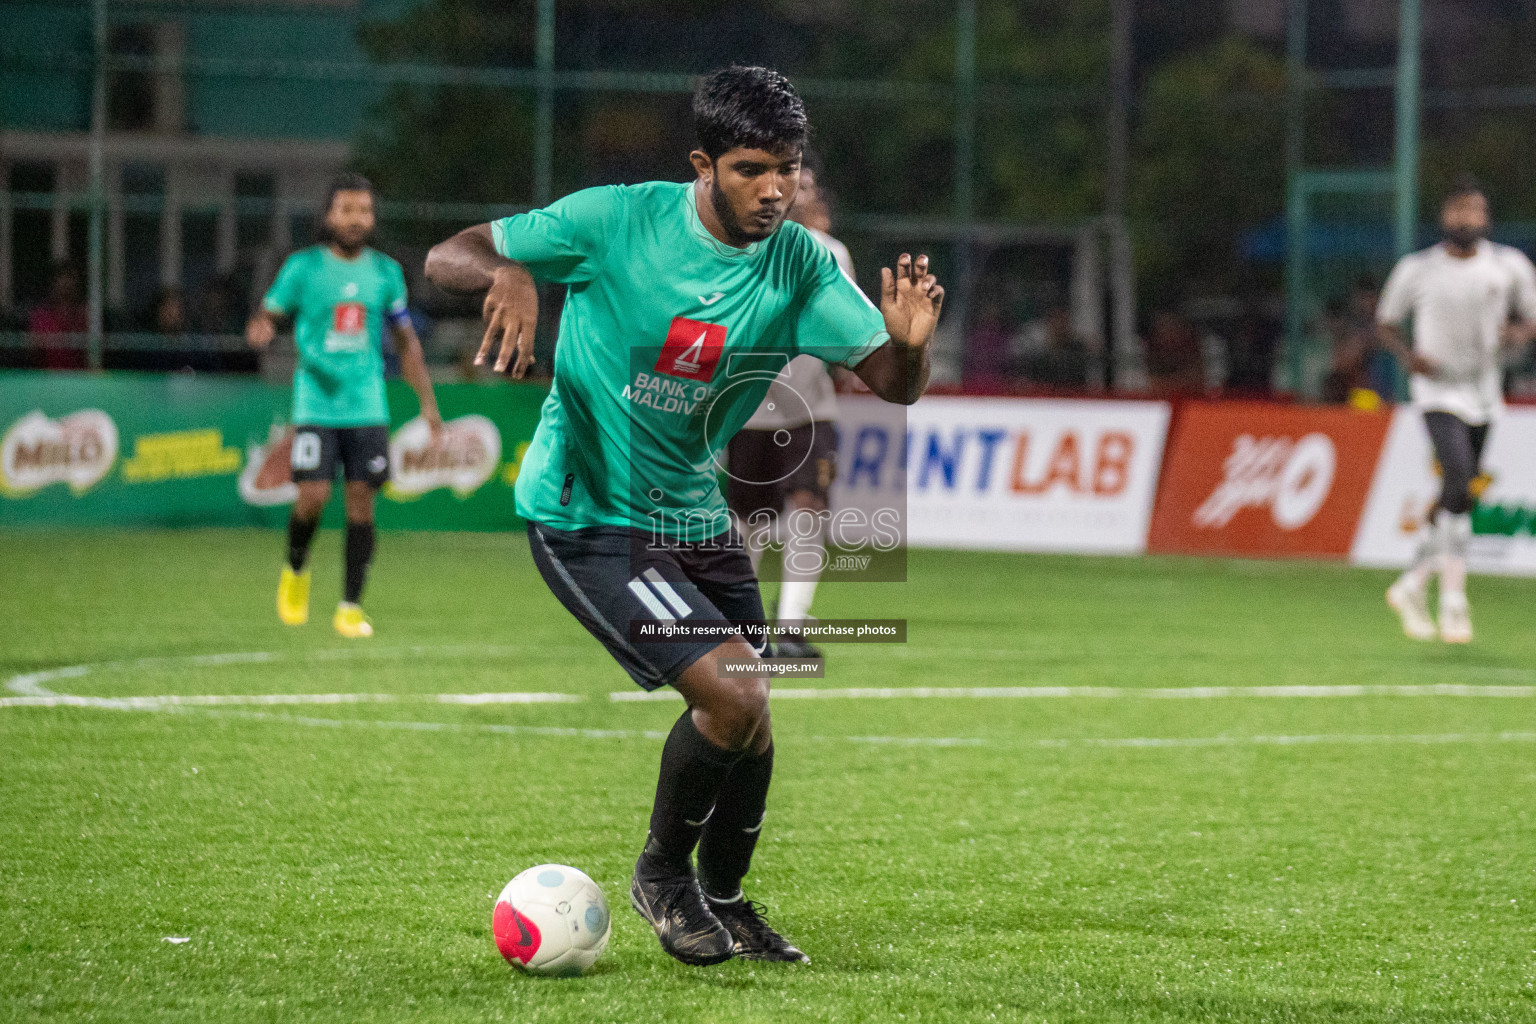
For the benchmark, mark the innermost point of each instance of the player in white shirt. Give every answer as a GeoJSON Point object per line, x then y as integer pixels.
{"type": "Point", "coordinates": [783, 461]}
{"type": "Point", "coordinates": [1461, 295]}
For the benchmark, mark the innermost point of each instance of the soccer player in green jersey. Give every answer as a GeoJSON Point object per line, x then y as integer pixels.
{"type": "Point", "coordinates": [340, 295]}
{"type": "Point", "coordinates": [675, 292]}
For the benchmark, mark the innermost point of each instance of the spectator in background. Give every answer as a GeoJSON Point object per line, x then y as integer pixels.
{"type": "Point", "coordinates": [64, 312]}
{"type": "Point", "coordinates": [167, 313]}
{"type": "Point", "coordinates": [164, 319]}
{"type": "Point", "coordinates": [218, 308]}
{"type": "Point", "coordinates": [1049, 352]}
{"type": "Point", "coordinates": [1360, 371]}
{"type": "Point", "coordinates": [1252, 346]}
{"type": "Point", "coordinates": [1175, 361]}
{"type": "Point", "coordinates": [1380, 367]}
{"type": "Point", "coordinates": [218, 311]}
{"type": "Point", "coordinates": [985, 368]}
{"type": "Point", "coordinates": [1346, 354]}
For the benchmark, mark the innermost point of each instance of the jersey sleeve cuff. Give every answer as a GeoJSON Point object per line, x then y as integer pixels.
{"type": "Point", "coordinates": [274, 307]}
{"type": "Point", "coordinates": [398, 316]}
{"type": "Point", "coordinates": [864, 351]}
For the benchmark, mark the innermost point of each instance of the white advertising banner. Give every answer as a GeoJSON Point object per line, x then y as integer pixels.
{"type": "Point", "coordinates": [1406, 485]}
{"type": "Point", "coordinates": [1005, 474]}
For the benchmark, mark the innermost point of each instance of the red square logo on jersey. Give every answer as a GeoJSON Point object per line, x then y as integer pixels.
{"type": "Point", "coordinates": [692, 350]}
{"type": "Point", "coordinates": [349, 318]}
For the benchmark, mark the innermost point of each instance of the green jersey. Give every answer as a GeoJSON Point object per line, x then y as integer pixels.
{"type": "Point", "coordinates": [668, 342]}
{"type": "Point", "coordinates": [339, 308]}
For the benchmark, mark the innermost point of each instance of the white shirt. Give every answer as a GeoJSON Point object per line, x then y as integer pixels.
{"type": "Point", "coordinates": [1459, 307]}
{"type": "Point", "coordinates": [803, 390]}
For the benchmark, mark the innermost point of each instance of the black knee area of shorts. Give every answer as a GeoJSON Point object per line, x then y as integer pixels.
{"type": "Point", "coordinates": [607, 578]}
{"type": "Point", "coordinates": [1456, 486]}
{"type": "Point", "coordinates": [1457, 448]}
{"type": "Point", "coordinates": [1456, 502]}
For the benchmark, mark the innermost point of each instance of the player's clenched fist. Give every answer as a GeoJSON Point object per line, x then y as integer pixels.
{"type": "Point", "coordinates": [260, 331]}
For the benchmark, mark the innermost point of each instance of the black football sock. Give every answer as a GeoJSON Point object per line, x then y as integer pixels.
{"type": "Point", "coordinates": [300, 533]}
{"type": "Point", "coordinates": [359, 554]}
{"type": "Point", "coordinates": [730, 836]}
{"type": "Point", "coordinates": [692, 771]}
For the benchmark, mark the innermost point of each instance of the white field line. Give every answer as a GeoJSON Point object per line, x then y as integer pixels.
{"type": "Point", "coordinates": [23, 683]}
{"type": "Point", "coordinates": [1131, 742]}
{"type": "Point", "coordinates": [31, 692]}
{"type": "Point", "coordinates": [1288, 741]}
{"type": "Point", "coordinates": [945, 653]}
{"type": "Point", "coordinates": [495, 729]}
{"type": "Point", "coordinates": [37, 695]}
{"type": "Point", "coordinates": [31, 684]}
{"type": "Point", "coordinates": [65, 700]}
{"type": "Point", "coordinates": [1109, 692]}
{"type": "Point", "coordinates": [515, 697]}
{"type": "Point", "coordinates": [1162, 742]}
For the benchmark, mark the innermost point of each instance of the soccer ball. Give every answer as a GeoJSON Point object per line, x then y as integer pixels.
{"type": "Point", "coordinates": [551, 919]}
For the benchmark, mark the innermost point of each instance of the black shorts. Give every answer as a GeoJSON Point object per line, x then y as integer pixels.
{"type": "Point", "coordinates": [613, 580]}
{"type": "Point", "coordinates": [767, 466]}
{"type": "Point", "coordinates": [1459, 451]}
{"type": "Point", "coordinates": [362, 451]}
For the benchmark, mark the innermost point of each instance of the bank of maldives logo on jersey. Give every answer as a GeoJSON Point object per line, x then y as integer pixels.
{"type": "Point", "coordinates": [348, 331]}
{"type": "Point", "coordinates": [692, 350]}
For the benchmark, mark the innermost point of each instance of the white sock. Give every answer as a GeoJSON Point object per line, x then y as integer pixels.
{"type": "Point", "coordinates": [1425, 561]}
{"type": "Point", "coordinates": [795, 600]}
{"type": "Point", "coordinates": [1455, 533]}
{"type": "Point", "coordinates": [805, 555]}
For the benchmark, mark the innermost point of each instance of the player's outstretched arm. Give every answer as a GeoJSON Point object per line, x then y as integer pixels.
{"type": "Point", "coordinates": [1391, 338]}
{"type": "Point", "coordinates": [260, 329]}
{"type": "Point", "coordinates": [468, 263]}
{"type": "Point", "coordinates": [1517, 333]}
{"type": "Point", "coordinates": [413, 367]}
{"type": "Point", "coordinates": [910, 301]}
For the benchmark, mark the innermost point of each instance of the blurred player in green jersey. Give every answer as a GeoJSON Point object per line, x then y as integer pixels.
{"type": "Point", "coordinates": [679, 295]}
{"type": "Point", "coordinates": [340, 295]}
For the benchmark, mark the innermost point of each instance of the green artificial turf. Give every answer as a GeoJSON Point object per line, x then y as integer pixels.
{"type": "Point", "coordinates": [1080, 858]}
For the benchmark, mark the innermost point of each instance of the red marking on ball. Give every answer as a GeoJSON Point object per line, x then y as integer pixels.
{"type": "Point", "coordinates": [516, 936]}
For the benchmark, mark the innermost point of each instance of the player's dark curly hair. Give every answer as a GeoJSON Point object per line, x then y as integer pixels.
{"type": "Point", "coordinates": [752, 107]}
{"type": "Point", "coordinates": [346, 181]}
{"type": "Point", "coordinates": [1463, 185]}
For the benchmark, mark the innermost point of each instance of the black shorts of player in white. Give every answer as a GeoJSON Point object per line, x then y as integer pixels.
{"type": "Point", "coordinates": [1459, 450]}
{"type": "Point", "coordinates": [767, 466]}
{"type": "Point", "coordinates": [614, 580]}
{"type": "Point", "coordinates": [363, 453]}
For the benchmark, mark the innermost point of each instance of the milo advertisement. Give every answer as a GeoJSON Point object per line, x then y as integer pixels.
{"type": "Point", "coordinates": [178, 450]}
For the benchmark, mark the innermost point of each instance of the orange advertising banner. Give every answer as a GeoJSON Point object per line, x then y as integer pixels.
{"type": "Point", "coordinates": [1245, 478]}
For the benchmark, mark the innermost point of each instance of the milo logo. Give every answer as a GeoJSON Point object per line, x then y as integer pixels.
{"type": "Point", "coordinates": [78, 450]}
{"type": "Point", "coordinates": [267, 478]}
{"type": "Point", "coordinates": [462, 459]}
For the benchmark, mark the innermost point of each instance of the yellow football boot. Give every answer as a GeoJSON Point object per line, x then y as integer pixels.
{"type": "Point", "coordinates": [293, 597]}
{"type": "Point", "coordinates": [350, 621]}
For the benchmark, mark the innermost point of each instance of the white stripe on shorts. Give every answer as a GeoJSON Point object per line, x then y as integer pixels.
{"type": "Point", "coordinates": [671, 596]}
{"type": "Point", "coordinates": [655, 607]}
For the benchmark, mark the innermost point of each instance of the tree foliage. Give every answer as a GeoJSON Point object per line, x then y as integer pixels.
{"type": "Point", "coordinates": [1209, 163]}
